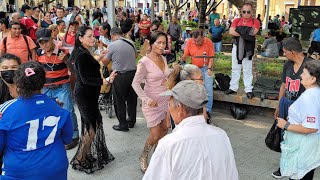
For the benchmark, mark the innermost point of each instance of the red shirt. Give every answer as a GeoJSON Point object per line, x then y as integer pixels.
{"type": "Point", "coordinates": [70, 39]}
{"type": "Point", "coordinates": [145, 31]}
{"type": "Point", "coordinates": [31, 26]}
{"type": "Point", "coordinates": [252, 22]}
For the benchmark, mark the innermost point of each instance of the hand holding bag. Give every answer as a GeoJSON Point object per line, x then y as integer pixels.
{"type": "Point", "coordinates": [273, 138]}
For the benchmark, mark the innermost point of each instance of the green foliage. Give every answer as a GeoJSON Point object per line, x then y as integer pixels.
{"type": "Point", "coordinates": [189, 24]}
{"type": "Point", "coordinates": [260, 39]}
{"type": "Point", "coordinates": [270, 69]}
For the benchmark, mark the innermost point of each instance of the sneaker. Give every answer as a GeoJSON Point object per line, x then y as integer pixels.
{"type": "Point", "coordinates": [277, 174]}
{"type": "Point", "coordinates": [208, 118]}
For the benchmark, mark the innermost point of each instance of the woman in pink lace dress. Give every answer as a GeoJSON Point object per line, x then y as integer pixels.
{"type": "Point", "coordinates": [153, 70]}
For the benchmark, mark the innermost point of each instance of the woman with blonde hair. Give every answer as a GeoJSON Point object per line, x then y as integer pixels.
{"type": "Point", "coordinates": [186, 72]}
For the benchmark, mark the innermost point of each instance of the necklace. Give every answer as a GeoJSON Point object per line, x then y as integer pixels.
{"type": "Point", "coordinates": [54, 62]}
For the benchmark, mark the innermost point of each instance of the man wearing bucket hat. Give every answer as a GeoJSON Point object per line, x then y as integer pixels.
{"type": "Point", "coordinates": [202, 149]}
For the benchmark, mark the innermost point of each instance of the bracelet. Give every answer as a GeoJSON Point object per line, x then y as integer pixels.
{"type": "Point", "coordinates": [286, 126]}
{"type": "Point", "coordinates": [210, 69]}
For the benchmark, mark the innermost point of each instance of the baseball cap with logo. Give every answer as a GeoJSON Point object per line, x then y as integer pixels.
{"type": "Point", "coordinates": [43, 34]}
{"type": "Point", "coordinates": [189, 93]}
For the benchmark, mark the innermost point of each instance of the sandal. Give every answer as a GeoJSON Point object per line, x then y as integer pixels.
{"type": "Point", "coordinates": [81, 165]}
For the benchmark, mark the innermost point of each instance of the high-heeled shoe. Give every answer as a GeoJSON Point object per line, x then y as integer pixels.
{"type": "Point", "coordinates": [144, 157]}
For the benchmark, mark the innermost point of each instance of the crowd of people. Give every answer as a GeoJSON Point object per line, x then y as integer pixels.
{"type": "Point", "coordinates": [51, 61]}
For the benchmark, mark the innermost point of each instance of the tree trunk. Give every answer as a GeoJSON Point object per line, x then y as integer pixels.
{"type": "Point", "coordinates": [176, 10]}
{"type": "Point", "coordinates": [202, 12]}
{"type": "Point", "coordinates": [168, 10]}
{"type": "Point", "coordinates": [152, 10]}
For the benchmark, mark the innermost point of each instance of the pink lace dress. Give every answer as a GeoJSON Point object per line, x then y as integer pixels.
{"type": "Point", "coordinates": [155, 80]}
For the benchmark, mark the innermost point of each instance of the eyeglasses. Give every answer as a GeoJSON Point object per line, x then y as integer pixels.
{"type": "Point", "coordinates": [244, 12]}
{"type": "Point", "coordinates": [200, 79]}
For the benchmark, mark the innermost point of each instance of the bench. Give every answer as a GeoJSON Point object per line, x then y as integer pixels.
{"type": "Point", "coordinates": [259, 57]}
{"type": "Point", "coordinates": [241, 98]}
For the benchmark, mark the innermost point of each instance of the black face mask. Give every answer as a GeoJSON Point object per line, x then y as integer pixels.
{"type": "Point", "coordinates": [7, 76]}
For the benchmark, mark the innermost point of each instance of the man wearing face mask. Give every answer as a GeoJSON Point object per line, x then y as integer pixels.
{"type": "Point", "coordinates": [8, 64]}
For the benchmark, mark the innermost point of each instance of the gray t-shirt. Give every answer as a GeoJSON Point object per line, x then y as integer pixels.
{"type": "Point", "coordinates": [122, 55]}
{"type": "Point", "coordinates": [175, 30]}
{"type": "Point", "coordinates": [271, 46]}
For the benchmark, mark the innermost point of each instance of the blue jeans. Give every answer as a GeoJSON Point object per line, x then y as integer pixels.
{"type": "Point", "coordinates": [217, 46]}
{"type": "Point", "coordinates": [63, 94]}
{"type": "Point", "coordinates": [208, 84]}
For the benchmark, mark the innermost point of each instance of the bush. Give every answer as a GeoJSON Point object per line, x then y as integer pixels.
{"type": "Point", "coordinates": [191, 24]}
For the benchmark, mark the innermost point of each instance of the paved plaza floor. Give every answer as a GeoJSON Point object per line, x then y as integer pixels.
{"type": "Point", "coordinates": [254, 160]}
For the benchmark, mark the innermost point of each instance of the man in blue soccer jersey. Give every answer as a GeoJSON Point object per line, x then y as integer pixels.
{"type": "Point", "coordinates": [34, 130]}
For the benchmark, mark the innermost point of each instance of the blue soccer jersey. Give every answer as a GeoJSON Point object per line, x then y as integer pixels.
{"type": "Point", "coordinates": [33, 132]}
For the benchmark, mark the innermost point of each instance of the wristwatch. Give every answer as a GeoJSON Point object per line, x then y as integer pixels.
{"type": "Point", "coordinates": [210, 69]}
{"type": "Point", "coordinates": [286, 126]}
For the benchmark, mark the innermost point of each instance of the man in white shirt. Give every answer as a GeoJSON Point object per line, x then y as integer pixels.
{"type": "Point", "coordinates": [194, 150]}
{"type": "Point", "coordinates": [60, 15]}
{"type": "Point", "coordinates": [75, 12]}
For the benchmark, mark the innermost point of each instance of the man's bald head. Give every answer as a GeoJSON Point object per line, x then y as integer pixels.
{"type": "Point", "coordinates": [16, 17]}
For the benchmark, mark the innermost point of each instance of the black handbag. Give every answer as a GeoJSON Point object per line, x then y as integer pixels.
{"type": "Point", "coordinates": [273, 138]}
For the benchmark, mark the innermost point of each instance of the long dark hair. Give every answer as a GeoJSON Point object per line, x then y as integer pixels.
{"type": "Point", "coordinates": [155, 35]}
{"type": "Point", "coordinates": [107, 26]}
{"type": "Point", "coordinates": [78, 47]}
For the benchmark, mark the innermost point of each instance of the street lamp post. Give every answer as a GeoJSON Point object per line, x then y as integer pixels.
{"type": "Point", "coordinates": [111, 18]}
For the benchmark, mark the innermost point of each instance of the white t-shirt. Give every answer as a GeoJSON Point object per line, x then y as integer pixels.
{"type": "Point", "coordinates": [193, 151]}
{"type": "Point", "coordinates": [306, 109]}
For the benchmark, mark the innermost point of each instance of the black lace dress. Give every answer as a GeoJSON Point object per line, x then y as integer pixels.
{"type": "Point", "coordinates": [92, 153]}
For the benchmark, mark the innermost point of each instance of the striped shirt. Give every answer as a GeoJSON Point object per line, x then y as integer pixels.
{"type": "Point", "coordinates": [56, 69]}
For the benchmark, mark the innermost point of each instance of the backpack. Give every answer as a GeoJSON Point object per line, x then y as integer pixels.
{"type": "Point", "coordinates": [267, 88]}
{"type": "Point", "coordinates": [25, 39]}
{"type": "Point", "coordinates": [221, 82]}
{"type": "Point", "coordinates": [239, 111]}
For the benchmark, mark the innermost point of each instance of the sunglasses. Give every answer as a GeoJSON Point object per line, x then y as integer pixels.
{"type": "Point", "coordinates": [244, 12]}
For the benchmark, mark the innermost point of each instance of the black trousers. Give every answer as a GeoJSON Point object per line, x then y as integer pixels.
{"type": "Point", "coordinates": [308, 176]}
{"type": "Point", "coordinates": [125, 98]}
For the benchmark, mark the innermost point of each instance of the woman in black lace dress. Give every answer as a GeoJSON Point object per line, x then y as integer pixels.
{"type": "Point", "coordinates": [92, 153]}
